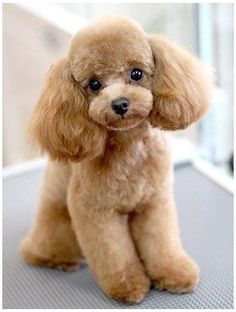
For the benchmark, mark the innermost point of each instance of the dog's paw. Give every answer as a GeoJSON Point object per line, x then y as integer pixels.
{"type": "Point", "coordinates": [177, 275]}
{"type": "Point", "coordinates": [54, 263]}
{"type": "Point", "coordinates": [129, 286]}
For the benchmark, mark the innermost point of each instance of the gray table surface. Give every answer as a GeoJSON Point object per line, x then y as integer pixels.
{"type": "Point", "coordinates": [206, 220]}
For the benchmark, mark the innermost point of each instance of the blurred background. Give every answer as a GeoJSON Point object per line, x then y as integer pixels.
{"type": "Point", "coordinates": [35, 35]}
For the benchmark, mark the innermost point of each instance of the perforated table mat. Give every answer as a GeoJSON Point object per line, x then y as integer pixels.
{"type": "Point", "coordinates": [206, 220]}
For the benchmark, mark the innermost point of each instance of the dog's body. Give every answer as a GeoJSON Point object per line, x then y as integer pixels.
{"type": "Point", "coordinates": [109, 198]}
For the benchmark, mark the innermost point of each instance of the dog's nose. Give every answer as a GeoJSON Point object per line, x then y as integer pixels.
{"type": "Point", "coordinates": [120, 106]}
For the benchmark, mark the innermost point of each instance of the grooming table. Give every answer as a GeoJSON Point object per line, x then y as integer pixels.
{"type": "Point", "coordinates": [206, 220]}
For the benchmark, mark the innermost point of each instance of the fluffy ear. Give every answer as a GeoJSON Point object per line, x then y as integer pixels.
{"type": "Point", "coordinates": [60, 121]}
{"type": "Point", "coordinates": [181, 86]}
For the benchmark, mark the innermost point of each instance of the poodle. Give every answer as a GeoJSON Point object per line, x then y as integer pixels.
{"type": "Point", "coordinates": [107, 194]}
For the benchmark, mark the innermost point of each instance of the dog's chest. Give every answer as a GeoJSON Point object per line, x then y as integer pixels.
{"type": "Point", "coordinates": [127, 180]}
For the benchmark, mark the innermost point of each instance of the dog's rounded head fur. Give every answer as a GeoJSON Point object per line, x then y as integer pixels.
{"type": "Point", "coordinates": [71, 120]}
{"type": "Point", "coordinates": [108, 50]}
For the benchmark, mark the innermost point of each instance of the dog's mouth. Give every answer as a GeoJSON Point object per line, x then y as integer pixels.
{"type": "Point", "coordinates": [124, 122]}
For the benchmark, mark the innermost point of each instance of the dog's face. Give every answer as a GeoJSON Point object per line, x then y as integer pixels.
{"type": "Point", "coordinates": [114, 67]}
{"type": "Point", "coordinates": [114, 77]}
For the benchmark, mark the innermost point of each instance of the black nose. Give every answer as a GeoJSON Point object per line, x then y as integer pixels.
{"type": "Point", "coordinates": [120, 106]}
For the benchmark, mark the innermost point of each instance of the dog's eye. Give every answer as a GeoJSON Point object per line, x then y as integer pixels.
{"type": "Point", "coordinates": [136, 74]}
{"type": "Point", "coordinates": [95, 85]}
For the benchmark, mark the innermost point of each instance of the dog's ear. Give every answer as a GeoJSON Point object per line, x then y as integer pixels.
{"type": "Point", "coordinates": [181, 86]}
{"type": "Point", "coordinates": [60, 121]}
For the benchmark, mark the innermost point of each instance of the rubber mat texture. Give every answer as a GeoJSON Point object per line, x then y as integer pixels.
{"type": "Point", "coordinates": [205, 214]}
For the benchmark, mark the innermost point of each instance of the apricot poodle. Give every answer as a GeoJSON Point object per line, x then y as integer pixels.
{"type": "Point", "coordinates": [107, 195]}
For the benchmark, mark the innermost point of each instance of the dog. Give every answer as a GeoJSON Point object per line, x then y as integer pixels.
{"type": "Point", "coordinates": [107, 193]}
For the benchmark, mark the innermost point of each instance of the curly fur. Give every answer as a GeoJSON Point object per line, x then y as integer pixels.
{"type": "Point", "coordinates": [107, 192]}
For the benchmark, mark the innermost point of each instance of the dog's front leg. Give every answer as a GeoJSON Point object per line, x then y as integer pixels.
{"type": "Point", "coordinates": [155, 232]}
{"type": "Point", "coordinates": [108, 249]}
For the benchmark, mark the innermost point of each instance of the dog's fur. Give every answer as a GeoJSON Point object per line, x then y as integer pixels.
{"type": "Point", "coordinates": [107, 191]}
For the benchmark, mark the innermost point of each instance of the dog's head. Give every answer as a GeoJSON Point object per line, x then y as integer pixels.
{"type": "Point", "coordinates": [114, 77]}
